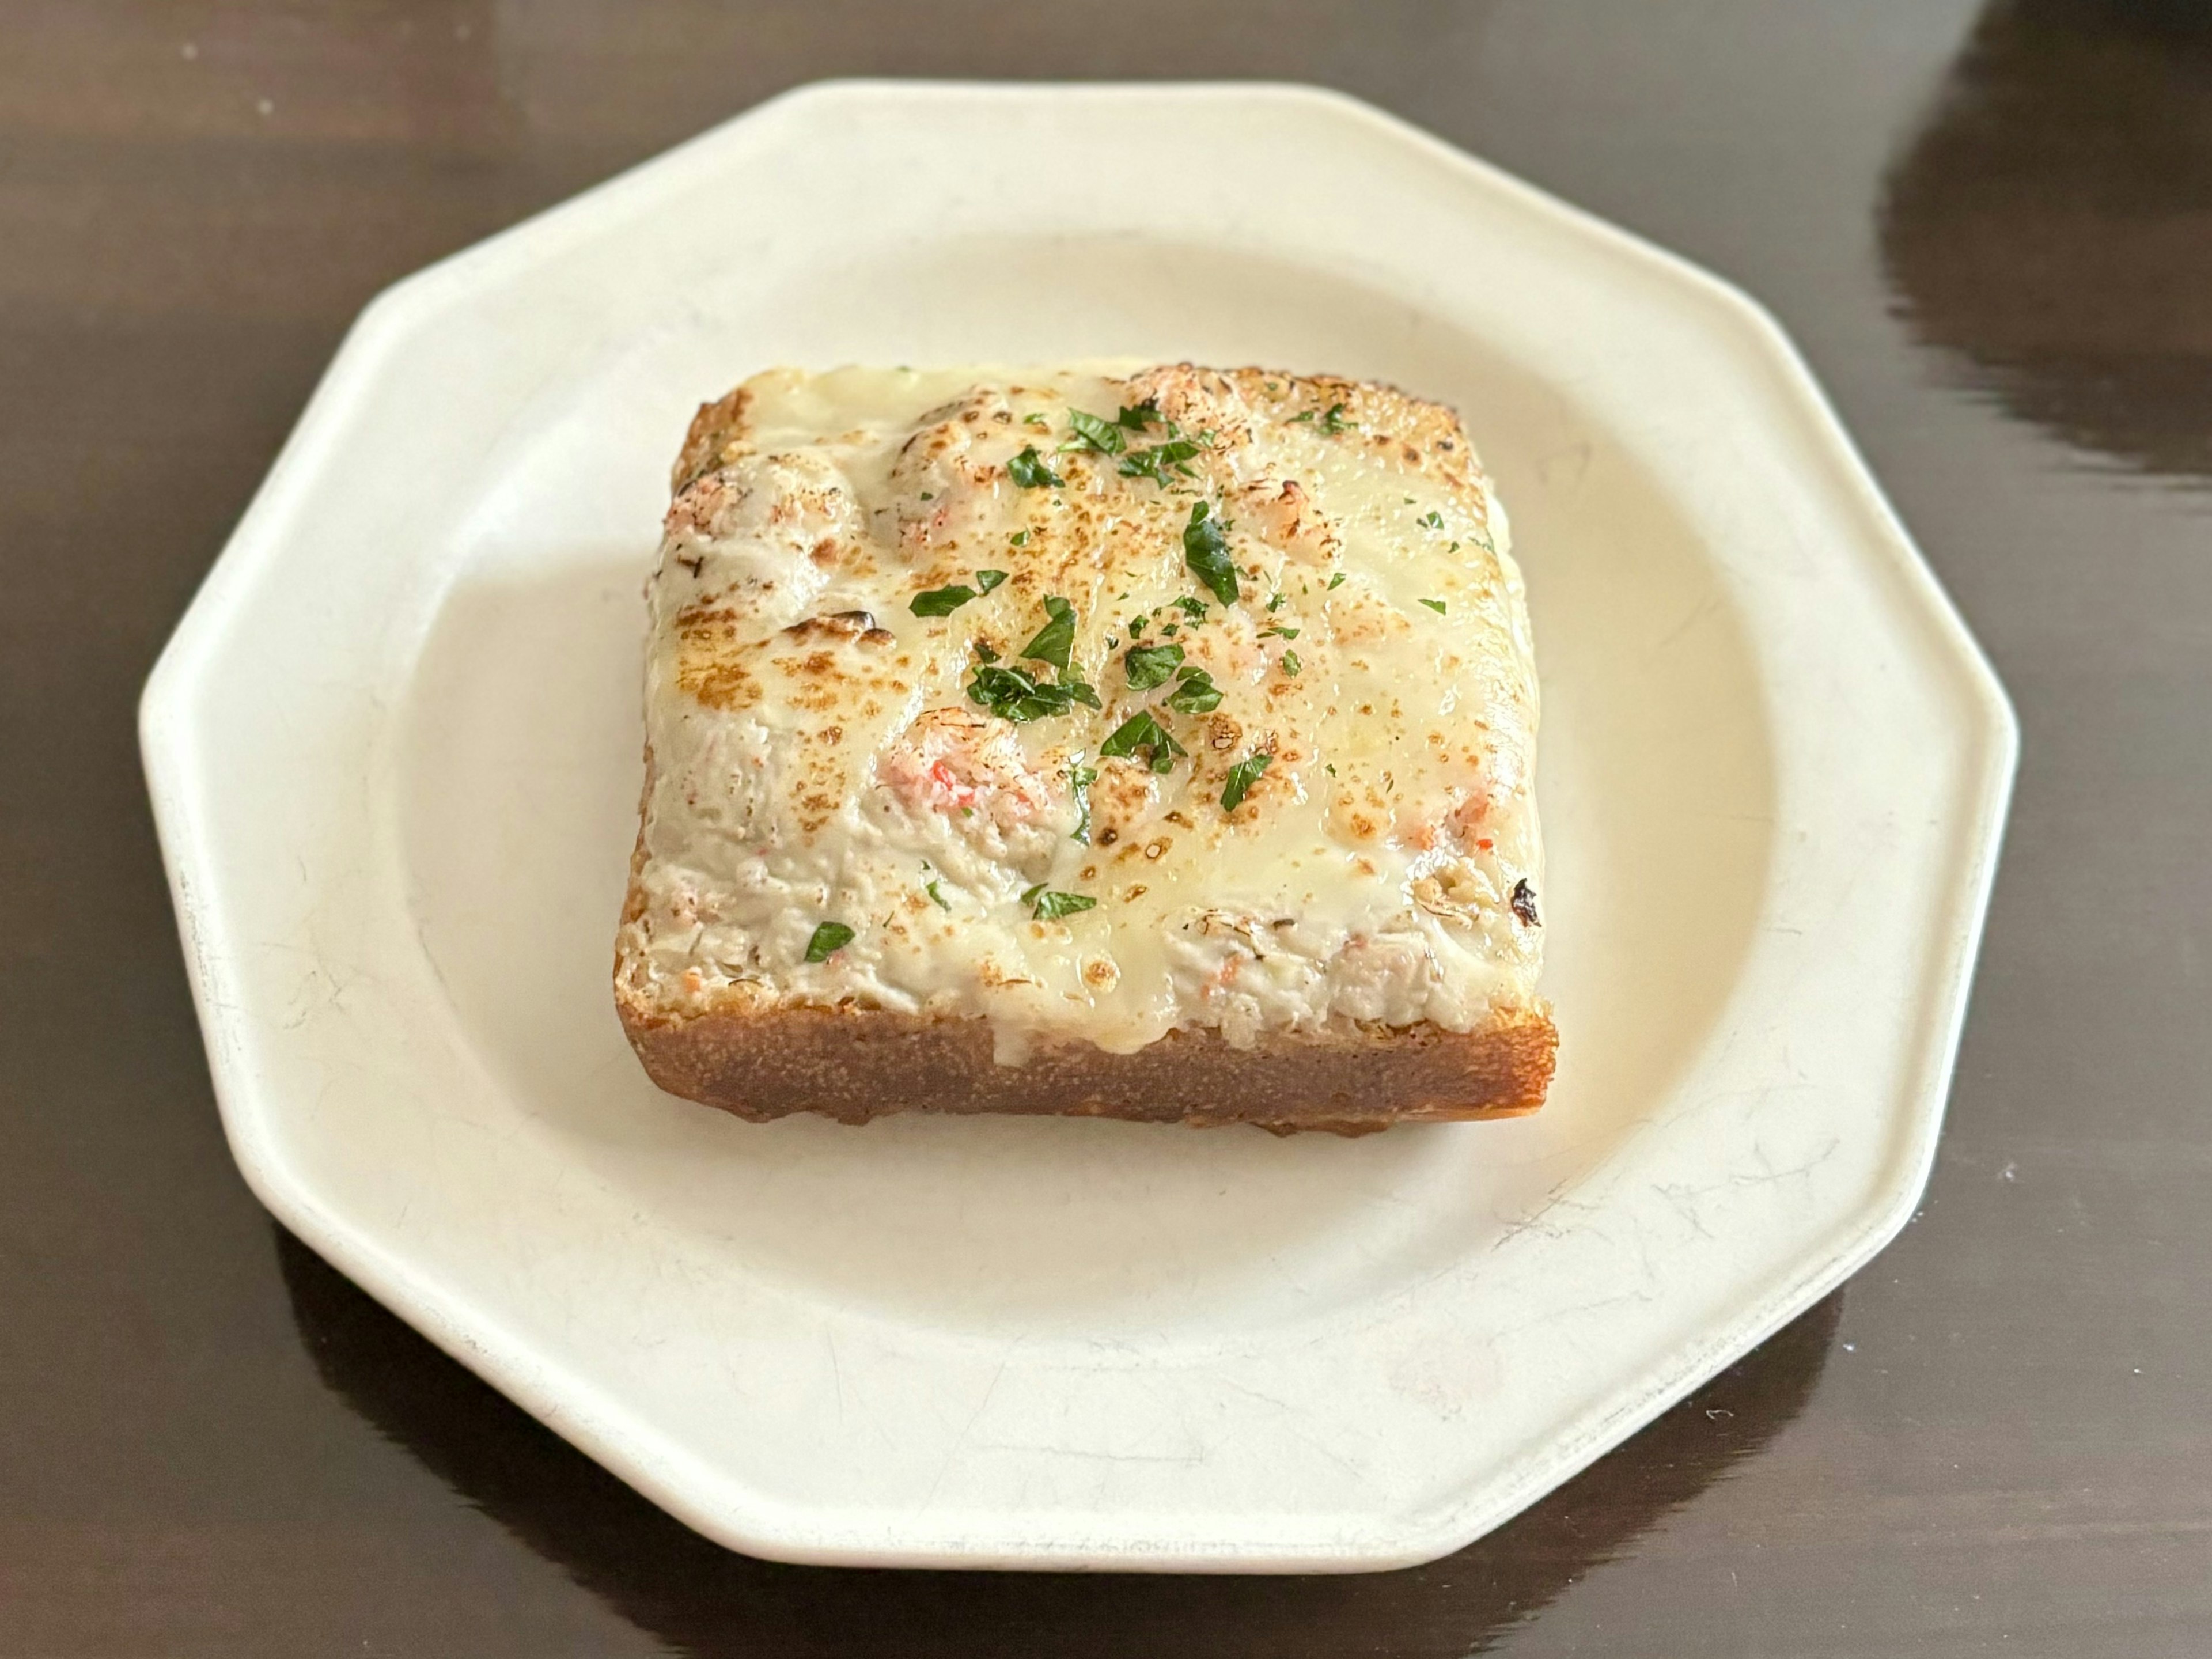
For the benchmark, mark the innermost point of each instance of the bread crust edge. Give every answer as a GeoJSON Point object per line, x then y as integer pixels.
{"type": "Point", "coordinates": [859, 1064]}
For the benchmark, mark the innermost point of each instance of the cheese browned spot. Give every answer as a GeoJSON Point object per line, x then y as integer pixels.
{"type": "Point", "coordinates": [820, 750]}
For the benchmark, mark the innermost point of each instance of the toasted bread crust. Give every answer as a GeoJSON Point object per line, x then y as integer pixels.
{"type": "Point", "coordinates": [858, 1063]}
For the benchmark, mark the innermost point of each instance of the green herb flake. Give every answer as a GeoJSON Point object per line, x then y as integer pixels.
{"type": "Point", "coordinates": [1080, 779]}
{"type": "Point", "coordinates": [929, 494]}
{"type": "Point", "coordinates": [1149, 665]}
{"type": "Point", "coordinates": [936, 898]}
{"type": "Point", "coordinates": [1047, 906]}
{"type": "Point", "coordinates": [1274, 602]}
{"type": "Point", "coordinates": [1056, 638]}
{"type": "Point", "coordinates": [984, 653]}
{"type": "Point", "coordinates": [1436, 605]}
{"type": "Point", "coordinates": [1287, 633]}
{"type": "Point", "coordinates": [1195, 692]}
{"type": "Point", "coordinates": [1195, 609]}
{"type": "Point", "coordinates": [829, 938]}
{"type": "Point", "coordinates": [1156, 463]}
{"type": "Point", "coordinates": [1014, 695]}
{"type": "Point", "coordinates": [1136, 627]}
{"type": "Point", "coordinates": [1019, 538]}
{"type": "Point", "coordinates": [988, 579]}
{"type": "Point", "coordinates": [1242, 777]}
{"type": "Point", "coordinates": [1030, 470]}
{"type": "Point", "coordinates": [940, 601]}
{"type": "Point", "coordinates": [1336, 582]}
{"type": "Point", "coordinates": [1033, 418]}
{"type": "Point", "coordinates": [1292, 665]}
{"type": "Point", "coordinates": [1332, 423]}
{"type": "Point", "coordinates": [1142, 735]}
{"type": "Point", "coordinates": [1091, 432]}
{"type": "Point", "coordinates": [1206, 550]}
{"type": "Point", "coordinates": [1431, 520]}
{"type": "Point", "coordinates": [1135, 417]}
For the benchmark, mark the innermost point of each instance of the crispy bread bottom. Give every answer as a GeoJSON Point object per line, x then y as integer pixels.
{"type": "Point", "coordinates": [857, 1064]}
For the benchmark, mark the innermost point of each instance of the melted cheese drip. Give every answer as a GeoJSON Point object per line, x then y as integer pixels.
{"type": "Point", "coordinates": [816, 757]}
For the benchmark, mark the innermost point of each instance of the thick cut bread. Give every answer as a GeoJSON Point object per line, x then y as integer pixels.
{"type": "Point", "coordinates": [1138, 742]}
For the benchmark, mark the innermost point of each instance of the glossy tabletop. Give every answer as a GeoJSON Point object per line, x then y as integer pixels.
{"type": "Point", "coordinates": [1989, 228]}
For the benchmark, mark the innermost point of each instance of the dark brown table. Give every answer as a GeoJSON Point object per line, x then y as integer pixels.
{"type": "Point", "coordinates": [1991, 228]}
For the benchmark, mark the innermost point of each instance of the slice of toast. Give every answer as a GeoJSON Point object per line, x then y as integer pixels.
{"type": "Point", "coordinates": [1146, 742]}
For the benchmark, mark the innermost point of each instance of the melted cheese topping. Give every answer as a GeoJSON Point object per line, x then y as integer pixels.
{"type": "Point", "coordinates": [817, 755]}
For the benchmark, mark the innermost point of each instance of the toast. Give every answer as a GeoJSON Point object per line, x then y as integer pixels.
{"type": "Point", "coordinates": [1145, 742]}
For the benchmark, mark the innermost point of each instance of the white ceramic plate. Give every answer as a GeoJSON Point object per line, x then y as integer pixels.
{"type": "Point", "coordinates": [394, 751]}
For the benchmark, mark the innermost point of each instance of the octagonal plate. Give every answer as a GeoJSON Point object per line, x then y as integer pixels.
{"type": "Point", "coordinates": [393, 750]}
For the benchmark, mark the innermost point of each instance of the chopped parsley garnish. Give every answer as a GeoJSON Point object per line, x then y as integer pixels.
{"type": "Point", "coordinates": [1056, 638]}
{"type": "Point", "coordinates": [1142, 734]}
{"type": "Point", "coordinates": [940, 601]}
{"type": "Point", "coordinates": [1080, 779]}
{"type": "Point", "coordinates": [1436, 605]}
{"type": "Point", "coordinates": [1287, 633]}
{"type": "Point", "coordinates": [943, 601]}
{"type": "Point", "coordinates": [1151, 664]}
{"type": "Point", "coordinates": [984, 653]}
{"type": "Point", "coordinates": [1034, 418]}
{"type": "Point", "coordinates": [1170, 630]}
{"type": "Point", "coordinates": [1019, 538]}
{"type": "Point", "coordinates": [1047, 906]}
{"type": "Point", "coordinates": [1337, 580]}
{"type": "Point", "coordinates": [1275, 601]}
{"type": "Point", "coordinates": [1156, 463]}
{"type": "Point", "coordinates": [930, 888]}
{"type": "Point", "coordinates": [1106, 437]}
{"type": "Point", "coordinates": [1136, 627]}
{"type": "Point", "coordinates": [1332, 423]}
{"type": "Point", "coordinates": [1242, 777]}
{"type": "Point", "coordinates": [1206, 550]}
{"type": "Point", "coordinates": [1195, 692]}
{"type": "Point", "coordinates": [1012, 695]}
{"type": "Point", "coordinates": [1432, 520]}
{"type": "Point", "coordinates": [929, 494]}
{"type": "Point", "coordinates": [1030, 470]}
{"type": "Point", "coordinates": [1290, 664]}
{"type": "Point", "coordinates": [829, 938]}
{"type": "Point", "coordinates": [1195, 609]}
{"type": "Point", "coordinates": [1135, 417]}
